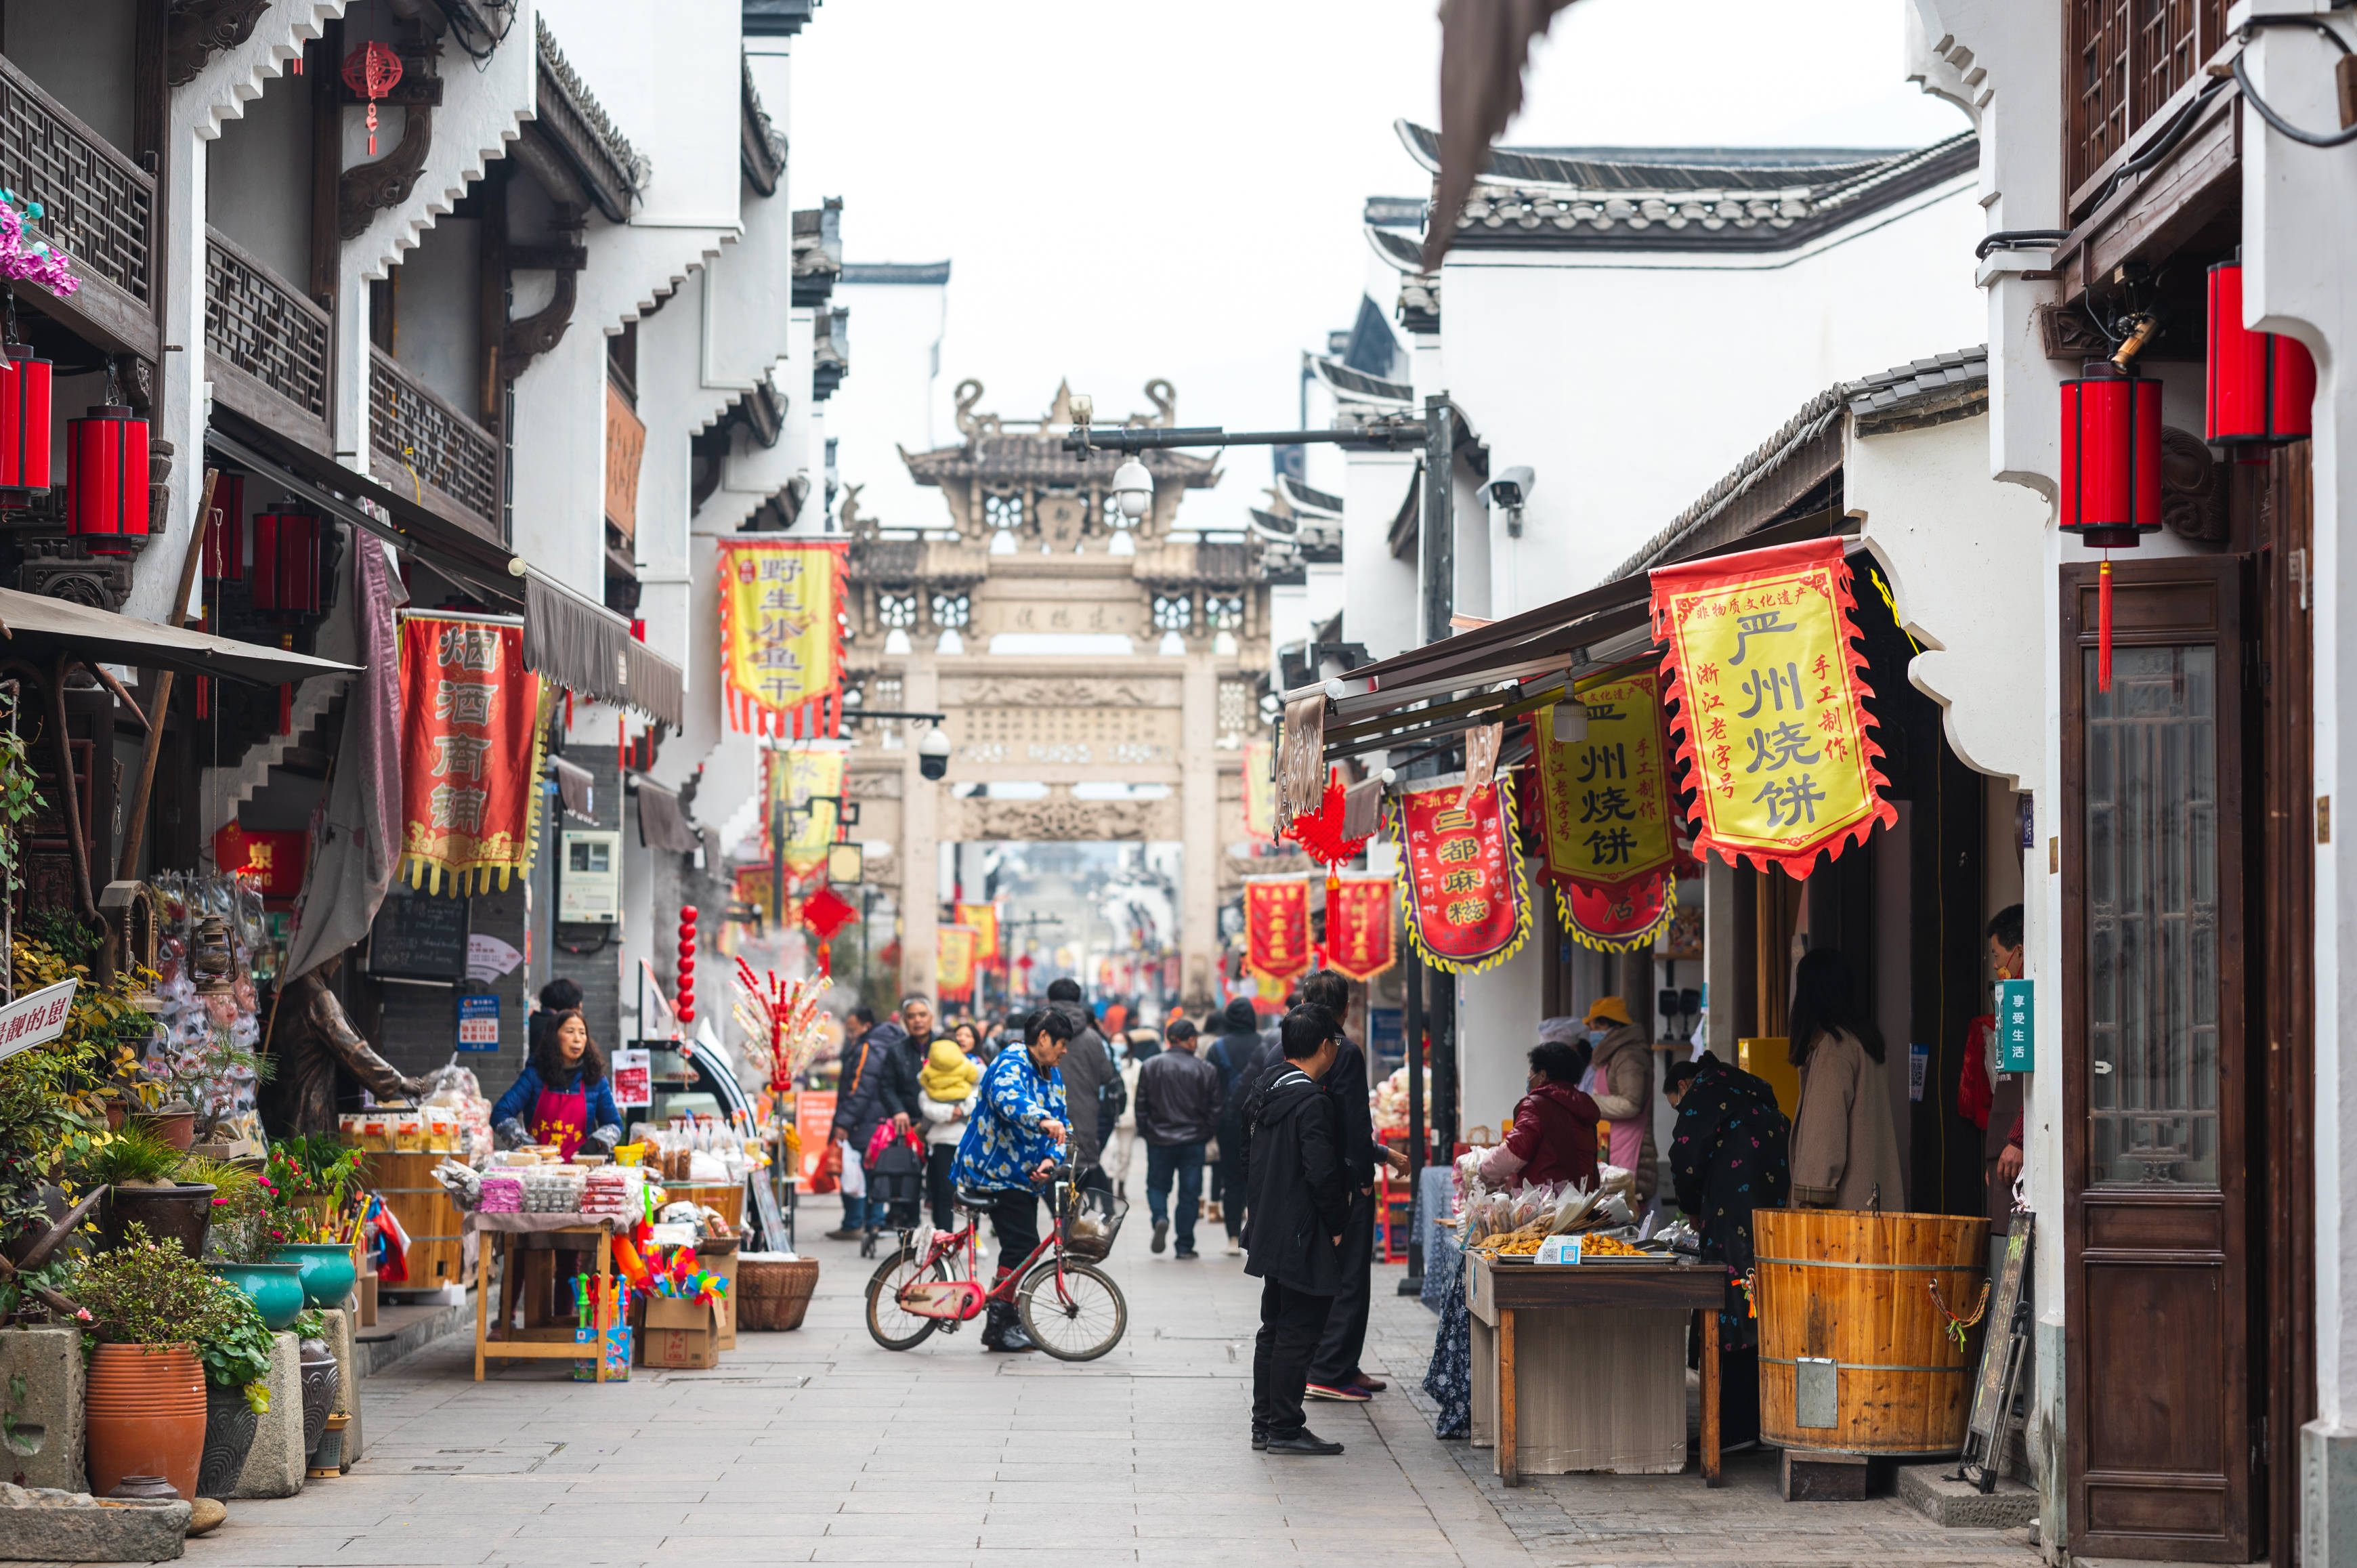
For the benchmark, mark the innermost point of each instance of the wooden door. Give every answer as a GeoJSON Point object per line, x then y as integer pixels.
{"type": "Point", "coordinates": [2154, 1309]}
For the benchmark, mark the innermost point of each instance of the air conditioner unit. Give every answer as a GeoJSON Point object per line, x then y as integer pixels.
{"type": "Point", "coordinates": [590, 878]}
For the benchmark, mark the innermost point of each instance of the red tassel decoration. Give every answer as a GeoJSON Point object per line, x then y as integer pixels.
{"type": "Point", "coordinates": [1333, 915]}
{"type": "Point", "coordinates": [2104, 628]}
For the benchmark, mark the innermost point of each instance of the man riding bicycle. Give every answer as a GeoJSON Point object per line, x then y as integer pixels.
{"type": "Point", "coordinates": [1012, 1145]}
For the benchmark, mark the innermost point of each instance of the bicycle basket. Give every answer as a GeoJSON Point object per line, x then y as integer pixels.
{"type": "Point", "coordinates": [1091, 1219]}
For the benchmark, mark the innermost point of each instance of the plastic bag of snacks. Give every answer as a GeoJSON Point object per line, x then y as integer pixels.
{"type": "Point", "coordinates": [453, 1089]}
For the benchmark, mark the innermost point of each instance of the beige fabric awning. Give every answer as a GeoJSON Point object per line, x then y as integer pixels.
{"type": "Point", "coordinates": [39, 628]}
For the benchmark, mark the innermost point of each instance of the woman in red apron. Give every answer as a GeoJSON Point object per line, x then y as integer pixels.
{"type": "Point", "coordinates": [565, 1096]}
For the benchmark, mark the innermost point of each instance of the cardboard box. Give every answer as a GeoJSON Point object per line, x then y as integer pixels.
{"type": "Point", "coordinates": [366, 1289]}
{"type": "Point", "coordinates": [723, 1265]}
{"type": "Point", "coordinates": [684, 1334]}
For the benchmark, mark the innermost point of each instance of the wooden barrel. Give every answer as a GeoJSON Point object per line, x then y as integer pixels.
{"type": "Point", "coordinates": [1854, 1290]}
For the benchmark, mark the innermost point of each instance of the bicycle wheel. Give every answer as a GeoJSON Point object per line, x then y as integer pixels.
{"type": "Point", "coordinates": [889, 1323]}
{"type": "Point", "coordinates": [1078, 1321]}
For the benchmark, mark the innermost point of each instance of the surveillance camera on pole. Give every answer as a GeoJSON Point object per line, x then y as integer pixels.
{"type": "Point", "coordinates": [1511, 491]}
{"type": "Point", "coordinates": [933, 754]}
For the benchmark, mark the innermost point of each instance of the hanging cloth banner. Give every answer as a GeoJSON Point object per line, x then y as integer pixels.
{"type": "Point", "coordinates": [1359, 927]}
{"type": "Point", "coordinates": [797, 777]}
{"type": "Point", "coordinates": [1604, 802]}
{"type": "Point", "coordinates": [1277, 926]}
{"type": "Point", "coordinates": [984, 920]}
{"type": "Point", "coordinates": [953, 961]}
{"type": "Point", "coordinates": [1461, 877]}
{"type": "Point", "coordinates": [1772, 714]}
{"type": "Point", "coordinates": [1619, 919]}
{"type": "Point", "coordinates": [473, 737]}
{"type": "Point", "coordinates": [1260, 792]}
{"type": "Point", "coordinates": [781, 635]}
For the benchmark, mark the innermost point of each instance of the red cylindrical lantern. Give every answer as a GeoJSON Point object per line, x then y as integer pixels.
{"type": "Point", "coordinates": [25, 414]}
{"type": "Point", "coordinates": [286, 562]}
{"type": "Point", "coordinates": [106, 468]}
{"type": "Point", "coordinates": [2262, 385]}
{"type": "Point", "coordinates": [225, 531]}
{"type": "Point", "coordinates": [2110, 457]}
{"type": "Point", "coordinates": [687, 964]}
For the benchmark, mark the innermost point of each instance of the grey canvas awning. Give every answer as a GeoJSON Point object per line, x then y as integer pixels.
{"type": "Point", "coordinates": [587, 648]}
{"type": "Point", "coordinates": [662, 823]}
{"type": "Point", "coordinates": [575, 788]}
{"type": "Point", "coordinates": [39, 628]}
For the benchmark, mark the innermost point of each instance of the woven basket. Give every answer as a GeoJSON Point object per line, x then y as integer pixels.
{"type": "Point", "coordinates": [774, 1295]}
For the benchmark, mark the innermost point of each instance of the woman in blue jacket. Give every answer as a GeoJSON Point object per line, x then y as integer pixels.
{"type": "Point", "coordinates": [1014, 1140]}
{"type": "Point", "coordinates": [565, 1096]}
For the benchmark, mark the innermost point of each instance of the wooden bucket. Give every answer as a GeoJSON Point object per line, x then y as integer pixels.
{"type": "Point", "coordinates": [1856, 1290]}
{"type": "Point", "coordinates": [772, 1294]}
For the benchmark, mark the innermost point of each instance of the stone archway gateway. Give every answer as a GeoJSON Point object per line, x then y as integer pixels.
{"type": "Point", "coordinates": [1100, 677]}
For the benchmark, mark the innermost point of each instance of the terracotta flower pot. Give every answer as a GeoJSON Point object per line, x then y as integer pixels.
{"type": "Point", "coordinates": [176, 1126]}
{"type": "Point", "coordinates": [182, 1213]}
{"type": "Point", "coordinates": [146, 1415]}
{"type": "Point", "coordinates": [114, 1115]}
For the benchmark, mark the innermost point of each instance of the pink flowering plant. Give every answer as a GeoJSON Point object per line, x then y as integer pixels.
{"type": "Point", "coordinates": [25, 257]}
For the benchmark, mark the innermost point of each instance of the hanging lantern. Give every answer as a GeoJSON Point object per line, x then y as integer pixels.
{"type": "Point", "coordinates": [225, 531]}
{"type": "Point", "coordinates": [24, 424]}
{"type": "Point", "coordinates": [372, 70]}
{"type": "Point", "coordinates": [2110, 457]}
{"type": "Point", "coordinates": [286, 562]}
{"type": "Point", "coordinates": [106, 474]}
{"type": "Point", "coordinates": [2261, 390]}
{"type": "Point", "coordinates": [687, 1004]}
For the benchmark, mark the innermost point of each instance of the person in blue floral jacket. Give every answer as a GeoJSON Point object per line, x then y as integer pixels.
{"type": "Point", "coordinates": [1015, 1139]}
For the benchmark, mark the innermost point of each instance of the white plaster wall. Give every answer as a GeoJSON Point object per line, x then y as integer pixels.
{"type": "Point", "coordinates": [887, 402]}
{"type": "Point", "coordinates": [1379, 593]}
{"type": "Point", "coordinates": [675, 90]}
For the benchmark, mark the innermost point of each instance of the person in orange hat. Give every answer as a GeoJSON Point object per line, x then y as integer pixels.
{"type": "Point", "coordinates": [1620, 1081]}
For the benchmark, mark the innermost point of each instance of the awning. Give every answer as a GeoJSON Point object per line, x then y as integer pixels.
{"type": "Point", "coordinates": [576, 788]}
{"type": "Point", "coordinates": [39, 628]}
{"type": "Point", "coordinates": [588, 649]}
{"type": "Point", "coordinates": [662, 824]}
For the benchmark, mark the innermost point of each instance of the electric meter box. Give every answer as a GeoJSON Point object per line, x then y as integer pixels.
{"type": "Point", "coordinates": [590, 878]}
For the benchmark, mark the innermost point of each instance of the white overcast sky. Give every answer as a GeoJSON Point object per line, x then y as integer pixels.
{"type": "Point", "coordinates": [1130, 190]}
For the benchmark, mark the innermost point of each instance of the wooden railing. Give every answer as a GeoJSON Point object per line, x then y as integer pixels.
{"type": "Point", "coordinates": [2123, 62]}
{"type": "Point", "coordinates": [419, 437]}
{"type": "Point", "coordinates": [262, 327]}
{"type": "Point", "coordinates": [97, 204]}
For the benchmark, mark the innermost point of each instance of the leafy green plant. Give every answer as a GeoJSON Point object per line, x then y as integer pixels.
{"type": "Point", "coordinates": [19, 791]}
{"type": "Point", "coordinates": [242, 1228]}
{"type": "Point", "coordinates": [237, 1357]}
{"type": "Point", "coordinates": [133, 1156]}
{"type": "Point", "coordinates": [150, 1292]}
{"type": "Point", "coordinates": [310, 1323]}
{"type": "Point", "coordinates": [313, 1180]}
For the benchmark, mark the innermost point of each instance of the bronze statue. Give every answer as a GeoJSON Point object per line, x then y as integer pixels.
{"type": "Point", "coordinates": [311, 1035]}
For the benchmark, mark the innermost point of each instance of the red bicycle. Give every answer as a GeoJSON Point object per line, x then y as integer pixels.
{"type": "Point", "coordinates": [1072, 1309]}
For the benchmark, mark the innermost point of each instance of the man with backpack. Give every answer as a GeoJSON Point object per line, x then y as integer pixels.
{"type": "Point", "coordinates": [1240, 1055]}
{"type": "Point", "coordinates": [1300, 1208]}
{"type": "Point", "coordinates": [1093, 1086]}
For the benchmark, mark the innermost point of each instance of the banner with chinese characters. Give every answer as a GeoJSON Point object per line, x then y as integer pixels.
{"type": "Point", "coordinates": [1359, 927]}
{"type": "Point", "coordinates": [1460, 876]}
{"type": "Point", "coordinates": [472, 736]}
{"type": "Point", "coordinates": [1260, 792]}
{"type": "Point", "coordinates": [1605, 809]}
{"type": "Point", "coordinates": [781, 635]}
{"type": "Point", "coordinates": [798, 779]}
{"type": "Point", "coordinates": [1772, 713]}
{"type": "Point", "coordinates": [1622, 919]}
{"type": "Point", "coordinates": [1277, 926]}
{"type": "Point", "coordinates": [984, 920]}
{"type": "Point", "coordinates": [953, 961]}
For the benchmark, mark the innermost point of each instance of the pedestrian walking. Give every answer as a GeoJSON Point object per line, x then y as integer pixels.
{"type": "Point", "coordinates": [1012, 1143]}
{"type": "Point", "coordinates": [1300, 1205]}
{"type": "Point", "coordinates": [858, 1108]}
{"type": "Point", "coordinates": [1334, 1371]}
{"type": "Point", "coordinates": [1179, 1101]}
{"type": "Point", "coordinates": [1238, 1053]}
{"type": "Point", "coordinates": [1092, 1083]}
{"type": "Point", "coordinates": [1122, 1150]}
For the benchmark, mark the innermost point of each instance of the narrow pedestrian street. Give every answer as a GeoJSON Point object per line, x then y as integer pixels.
{"type": "Point", "coordinates": [816, 1447]}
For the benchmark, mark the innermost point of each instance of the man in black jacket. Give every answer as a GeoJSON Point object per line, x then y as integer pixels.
{"type": "Point", "coordinates": [858, 1107]}
{"type": "Point", "coordinates": [1300, 1202]}
{"type": "Point", "coordinates": [1092, 1083]}
{"type": "Point", "coordinates": [1178, 1106]}
{"type": "Point", "coordinates": [1240, 1055]}
{"type": "Point", "coordinates": [1334, 1372]}
{"type": "Point", "coordinates": [897, 1090]}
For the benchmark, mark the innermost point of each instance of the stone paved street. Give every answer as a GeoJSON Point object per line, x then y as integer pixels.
{"type": "Point", "coordinates": [816, 1447]}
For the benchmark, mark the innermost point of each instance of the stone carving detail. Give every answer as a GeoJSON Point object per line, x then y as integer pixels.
{"type": "Point", "coordinates": [1054, 819]}
{"type": "Point", "coordinates": [198, 29]}
{"type": "Point", "coordinates": [363, 190]}
{"type": "Point", "coordinates": [1009, 691]}
{"type": "Point", "coordinates": [2067, 334]}
{"type": "Point", "coordinates": [57, 569]}
{"type": "Point", "coordinates": [527, 337]}
{"type": "Point", "coordinates": [2192, 494]}
{"type": "Point", "coordinates": [969, 392]}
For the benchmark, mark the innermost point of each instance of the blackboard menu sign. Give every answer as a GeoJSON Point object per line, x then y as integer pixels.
{"type": "Point", "coordinates": [419, 936]}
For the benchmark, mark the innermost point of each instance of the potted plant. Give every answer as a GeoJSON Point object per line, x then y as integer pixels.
{"type": "Point", "coordinates": [245, 1233]}
{"type": "Point", "coordinates": [142, 1169]}
{"type": "Point", "coordinates": [237, 1389]}
{"type": "Point", "coordinates": [150, 1305]}
{"type": "Point", "coordinates": [318, 1179]}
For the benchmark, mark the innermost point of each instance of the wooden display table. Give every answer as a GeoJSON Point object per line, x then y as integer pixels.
{"type": "Point", "coordinates": [404, 1180]}
{"type": "Point", "coordinates": [1576, 1364]}
{"type": "Point", "coordinates": [542, 1338]}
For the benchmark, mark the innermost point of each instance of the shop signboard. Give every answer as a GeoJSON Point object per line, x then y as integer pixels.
{"type": "Point", "coordinates": [1605, 812]}
{"type": "Point", "coordinates": [37, 1017]}
{"type": "Point", "coordinates": [479, 1022]}
{"type": "Point", "coordinates": [1461, 875]}
{"type": "Point", "coordinates": [1276, 927]}
{"type": "Point", "coordinates": [814, 1121]}
{"type": "Point", "coordinates": [1358, 927]}
{"type": "Point", "coordinates": [2017, 1026]}
{"type": "Point", "coordinates": [473, 739]}
{"type": "Point", "coordinates": [634, 1077]}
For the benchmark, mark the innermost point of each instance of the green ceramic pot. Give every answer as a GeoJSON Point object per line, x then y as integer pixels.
{"type": "Point", "coordinates": [328, 1271]}
{"type": "Point", "coordinates": [276, 1289]}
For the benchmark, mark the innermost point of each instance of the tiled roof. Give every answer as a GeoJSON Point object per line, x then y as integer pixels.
{"type": "Point", "coordinates": [616, 171]}
{"type": "Point", "coordinates": [895, 273]}
{"type": "Point", "coordinates": [1357, 386]}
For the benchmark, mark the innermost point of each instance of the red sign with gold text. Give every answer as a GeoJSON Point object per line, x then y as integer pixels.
{"type": "Point", "coordinates": [1276, 925]}
{"type": "Point", "coordinates": [1359, 934]}
{"type": "Point", "coordinates": [1619, 919]}
{"type": "Point", "coordinates": [470, 753]}
{"type": "Point", "coordinates": [1468, 906]}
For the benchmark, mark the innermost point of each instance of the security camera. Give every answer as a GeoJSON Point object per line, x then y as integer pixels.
{"type": "Point", "coordinates": [933, 754]}
{"type": "Point", "coordinates": [1510, 490]}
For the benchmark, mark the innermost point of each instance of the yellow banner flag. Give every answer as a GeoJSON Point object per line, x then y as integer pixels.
{"type": "Point", "coordinates": [796, 777]}
{"type": "Point", "coordinates": [984, 918]}
{"type": "Point", "coordinates": [1260, 792]}
{"type": "Point", "coordinates": [953, 961]}
{"type": "Point", "coordinates": [781, 635]}
{"type": "Point", "coordinates": [1771, 713]}
{"type": "Point", "coordinates": [1604, 800]}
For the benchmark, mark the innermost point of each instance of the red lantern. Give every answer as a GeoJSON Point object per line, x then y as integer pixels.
{"type": "Point", "coordinates": [372, 70]}
{"type": "Point", "coordinates": [24, 423]}
{"type": "Point", "coordinates": [225, 531]}
{"type": "Point", "coordinates": [2262, 385]}
{"type": "Point", "coordinates": [2110, 457]}
{"type": "Point", "coordinates": [106, 468]}
{"type": "Point", "coordinates": [687, 1008]}
{"type": "Point", "coordinates": [286, 564]}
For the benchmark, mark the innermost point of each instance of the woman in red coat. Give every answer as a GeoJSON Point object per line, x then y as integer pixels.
{"type": "Point", "coordinates": [1554, 1135]}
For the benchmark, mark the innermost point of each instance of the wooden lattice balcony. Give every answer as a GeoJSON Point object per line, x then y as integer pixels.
{"type": "Point", "coordinates": [97, 206]}
{"type": "Point", "coordinates": [424, 445]}
{"type": "Point", "coordinates": [268, 349]}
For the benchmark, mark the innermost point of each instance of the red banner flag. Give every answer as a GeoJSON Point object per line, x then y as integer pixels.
{"type": "Point", "coordinates": [1277, 926]}
{"type": "Point", "coordinates": [1771, 712]}
{"type": "Point", "coordinates": [1619, 919]}
{"type": "Point", "coordinates": [1605, 809]}
{"type": "Point", "coordinates": [1359, 927]}
{"type": "Point", "coordinates": [1468, 904]}
{"type": "Point", "coordinates": [984, 920]}
{"type": "Point", "coordinates": [471, 741]}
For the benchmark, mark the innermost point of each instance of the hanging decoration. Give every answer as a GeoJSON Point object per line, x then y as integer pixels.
{"type": "Point", "coordinates": [684, 1003]}
{"type": "Point", "coordinates": [807, 782]}
{"type": "Point", "coordinates": [106, 478]}
{"type": "Point", "coordinates": [25, 259]}
{"type": "Point", "coordinates": [26, 426]}
{"type": "Point", "coordinates": [1260, 790]}
{"type": "Point", "coordinates": [1359, 927]}
{"type": "Point", "coordinates": [1460, 876]}
{"type": "Point", "coordinates": [2111, 470]}
{"type": "Point", "coordinates": [287, 558]}
{"type": "Point", "coordinates": [781, 635]}
{"type": "Point", "coordinates": [786, 1017]}
{"type": "Point", "coordinates": [1605, 808]}
{"type": "Point", "coordinates": [1619, 919]}
{"type": "Point", "coordinates": [2261, 387]}
{"type": "Point", "coordinates": [1322, 835]}
{"type": "Point", "coordinates": [372, 71]}
{"type": "Point", "coordinates": [953, 961]}
{"type": "Point", "coordinates": [984, 920]}
{"type": "Point", "coordinates": [473, 728]}
{"type": "Point", "coordinates": [1772, 714]}
{"type": "Point", "coordinates": [1276, 927]}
